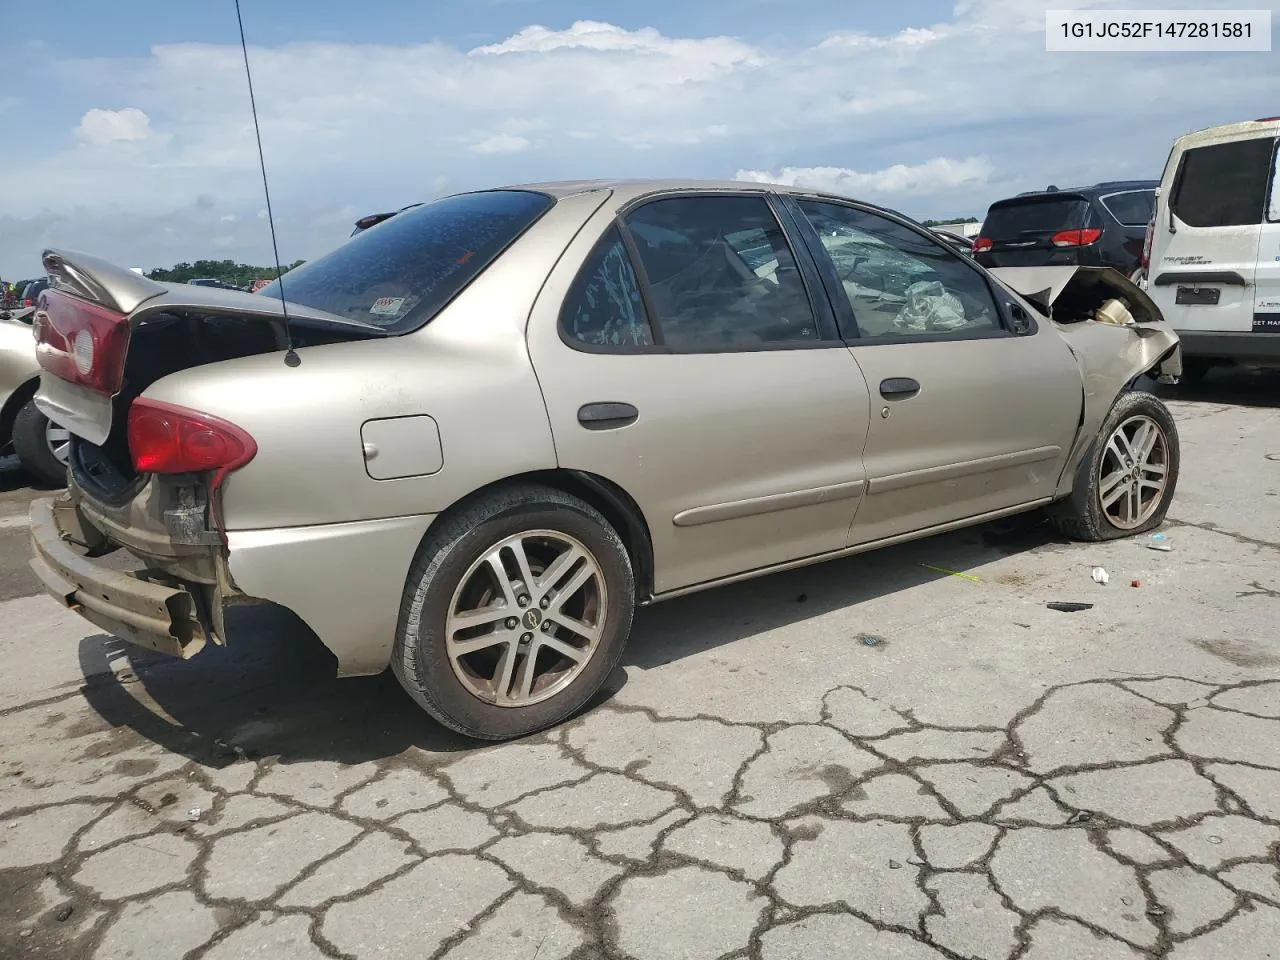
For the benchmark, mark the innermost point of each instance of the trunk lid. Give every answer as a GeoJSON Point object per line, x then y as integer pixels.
{"type": "Point", "coordinates": [87, 320]}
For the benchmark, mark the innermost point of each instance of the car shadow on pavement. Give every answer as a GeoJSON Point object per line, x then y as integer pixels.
{"type": "Point", "coordinates": [1239, 386]}
{"type": "Point", "coordinates": [680, 628]}
{"type": "Point", "coordinates": [272, 692]}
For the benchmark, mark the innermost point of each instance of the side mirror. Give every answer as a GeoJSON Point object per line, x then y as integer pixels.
{"type": "Point", "coordinates": [1021, 320]}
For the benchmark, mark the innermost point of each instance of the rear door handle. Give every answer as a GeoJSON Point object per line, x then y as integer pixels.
{"type": "Point", "coordinates": [899, 388]}
{"type": "Point", "coordinates": [607, 416]}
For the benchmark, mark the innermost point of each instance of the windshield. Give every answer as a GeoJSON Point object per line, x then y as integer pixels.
{"type": "Point", "coordinates": [402, 274]}
{"type": "Point", "coordinates": [1011, 220]}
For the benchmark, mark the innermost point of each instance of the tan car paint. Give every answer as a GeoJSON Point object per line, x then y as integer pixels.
{"type": "Point", "coordinates": [724, 442]}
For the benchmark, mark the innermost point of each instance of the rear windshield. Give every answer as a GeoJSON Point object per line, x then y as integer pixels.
{"type": "Point", "coordinates": [1012, 219]}
{"type": "Point", "coordinates": [1133, 208]}
{"type": "Point", "coordinates": [401, 273]}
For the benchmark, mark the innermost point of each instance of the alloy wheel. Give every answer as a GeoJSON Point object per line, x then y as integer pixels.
{"type": "Point", "coordinates": [526, 618]}
{"type": "Point", "coordinates": [59, 441]}
{"type": "Point", "coordinates": [1134, 472]}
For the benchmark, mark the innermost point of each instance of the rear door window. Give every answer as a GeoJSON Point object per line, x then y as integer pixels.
{"type": "Point", "coordinates": [721, 274]}
{"type": "Point", "coordinates": [402, 274]}
{"type": "Point", "coordinates": [1034, 217]}
{"type": "Point", "coordinates": [1133, 208]}
{"type": "Point", "coordinates": [1223, 185]}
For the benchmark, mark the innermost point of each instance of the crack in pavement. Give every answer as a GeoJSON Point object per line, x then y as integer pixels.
{"type": "Point", "coordinates": [582, 808]}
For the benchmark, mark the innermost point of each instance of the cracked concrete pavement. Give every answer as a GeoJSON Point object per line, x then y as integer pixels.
{"type": "Point", "coordinates": [991, 780]}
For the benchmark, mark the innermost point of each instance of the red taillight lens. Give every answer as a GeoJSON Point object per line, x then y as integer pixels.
{"type": "Point", "coordinates": [164, 438]}
{"type": "Point", "coordinates": [1146, 246]}
{"type": "Point", "coordinates": [1076, 238]}
{"type": "Point", "coordinates": [28, 302]}
{"type": "Point", "coordinates": [982, 244]}
{"type": "Point", "coordinates": [81, 342]}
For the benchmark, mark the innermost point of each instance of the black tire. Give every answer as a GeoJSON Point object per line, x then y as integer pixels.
{"type": "Point", "coordinates": [1194, 370]}
{"type": "Point", "coordinates": [420, 661]}
{"type": "Point", "coordinates": [31, 444]}
{"type": "Point", "coordinates": [1081, 516]}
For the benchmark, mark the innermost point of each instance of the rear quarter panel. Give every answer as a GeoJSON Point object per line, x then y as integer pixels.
{"type": "Point", "coordinates": [468, 369]}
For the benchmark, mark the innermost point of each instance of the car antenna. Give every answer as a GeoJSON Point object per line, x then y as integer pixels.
{"type": "Point", "coordinates": [291, 358]}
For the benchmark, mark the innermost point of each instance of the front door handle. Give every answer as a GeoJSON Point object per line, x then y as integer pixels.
{"type": "Point", "coordinates": [899, 388]}
{"type": "Point", "coordinates": [607, 416]}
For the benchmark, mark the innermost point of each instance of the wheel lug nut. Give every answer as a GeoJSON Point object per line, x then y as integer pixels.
{"type": "Point", "coordinates": [527, 638]}
{"type": "Point", "coordinates": [547, 626]}
{"type": "Point", "coordinates": [511, 623]}
{"type": "Point", "coordinates": [523, 599]}
{"type": "Point", "coordinates": [544, 603]}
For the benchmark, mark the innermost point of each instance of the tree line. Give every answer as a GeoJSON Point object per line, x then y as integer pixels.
{"type": "Point", "coordinates": [228, 271]}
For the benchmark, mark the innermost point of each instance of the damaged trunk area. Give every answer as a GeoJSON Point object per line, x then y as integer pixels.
{"type": "Point", "coordinates": [162, 343]}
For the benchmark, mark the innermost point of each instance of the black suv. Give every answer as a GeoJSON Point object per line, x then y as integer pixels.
{"type": "Point", "coordinates": [1100, 226]}
{"type": "Point", "coordinates": [31, 293]}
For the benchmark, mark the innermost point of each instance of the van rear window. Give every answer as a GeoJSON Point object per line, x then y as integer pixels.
{"type": "Point", "coordinates": [1010, 220]}
{"type": "Point", "coordinates": [1133, 208]}
{"type": "Point", "coordinates": [401, 273]}
{"type": "Point", "coordinates": [1224, 184]}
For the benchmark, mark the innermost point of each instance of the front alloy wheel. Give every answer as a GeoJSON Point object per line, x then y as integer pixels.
{"type": "Point", "coordinates": [1133, 472]}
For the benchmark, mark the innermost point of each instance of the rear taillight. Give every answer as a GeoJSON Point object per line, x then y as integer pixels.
{"type": "Point", "coordinates": [28, 302]}
{"type": "Point", "coordinates": [1075, 238]}
{"type": "Point", "coordinates": [983, 244]}
{"type": "Point", "coordinates": [164, 438]}
{"type": "Point", "coordinates": [1146, 246]}
{"type": "Point", "coordinates": [81, 342]}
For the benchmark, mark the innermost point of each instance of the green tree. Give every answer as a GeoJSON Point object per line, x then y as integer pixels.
{"type": "Point", "coordinates": [228, 271]}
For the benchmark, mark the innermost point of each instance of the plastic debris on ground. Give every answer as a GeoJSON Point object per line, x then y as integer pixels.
{"type": "Point", "coordinates": [1159, 542]}
{"type": "Point", "coordinates": [1100, 576]}
{"type": "Point", "coordinates": [1066, 607]}
{"type": "Point", "coordinates": [870, 640]}
{"type": "Point", "coordinates": [1135, 583]}
{"type": "Point", "coordinates": [193, 814]}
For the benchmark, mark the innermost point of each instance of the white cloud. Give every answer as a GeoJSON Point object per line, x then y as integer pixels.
{"type": "Point", "coordinates": [113, 126]}
{"type": "Point", "coordinates": [931, 177]}
{"type": "Point", "coordinates": [500, 143]}
{"type": "Point", "coordinates": [944, 117]}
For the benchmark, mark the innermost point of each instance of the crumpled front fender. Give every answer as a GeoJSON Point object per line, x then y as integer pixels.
{"type": "Point", "coordinates": [1111, 356]}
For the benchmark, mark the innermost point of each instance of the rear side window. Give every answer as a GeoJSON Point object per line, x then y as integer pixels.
{"type": "Point", "coordinates": [604, 308]}
{"type": "Point", "coordinates": [402, 274]}
{"type": "Point", "coordinates": [1133, 208]}
{"type": "Point", "coordinates": [1223, 185]}
{"type": "Point", "coordinates": [1017, 219]}
{"type": "Point", "coordinates": [721, 274]}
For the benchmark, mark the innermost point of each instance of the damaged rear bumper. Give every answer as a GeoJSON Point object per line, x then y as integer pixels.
{"type": "Point", "coordinates": [144, 607]}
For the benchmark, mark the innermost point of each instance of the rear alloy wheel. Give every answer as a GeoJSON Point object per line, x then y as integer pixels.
{"type": "Point", "coordinates": [515, 613]}
{"type": "Point", "coordinates": [43, 447]}
{"type": "Point", "coordinates": [1125, 485]}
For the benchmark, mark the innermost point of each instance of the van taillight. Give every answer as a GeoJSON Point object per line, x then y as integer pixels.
{"type": "Point", "coordinates": [81, 342]}
{"type": "Point", "coordinates": [983, 244]}
{"type": "Point", "coordinates": [165, 438]}
{"type": "Point", "coordinates": [1146, 246]}
{"type": "Point", "coordinates": [1076, 238]}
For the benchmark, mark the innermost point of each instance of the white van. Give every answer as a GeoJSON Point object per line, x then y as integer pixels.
{"type": "Point", "coordinates": [1212, 254]}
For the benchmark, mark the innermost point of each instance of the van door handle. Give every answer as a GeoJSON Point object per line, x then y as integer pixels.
{"type": "Point", "coordinates": [899, 388]}
{"type": "Point", "coordinates": [607, 416]}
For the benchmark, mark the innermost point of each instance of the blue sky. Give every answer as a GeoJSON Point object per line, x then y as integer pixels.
{"type": "Point", "coordinates": [136, 142]}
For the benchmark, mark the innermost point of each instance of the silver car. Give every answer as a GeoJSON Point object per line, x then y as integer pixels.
{"type": "Point", "coordinates": [40, 445]}
{"type": "Point", "coordinates": [469, 441]}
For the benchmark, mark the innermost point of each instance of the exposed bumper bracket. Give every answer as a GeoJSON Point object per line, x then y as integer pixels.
{"type": "Point", "coordinates": [132, 606]}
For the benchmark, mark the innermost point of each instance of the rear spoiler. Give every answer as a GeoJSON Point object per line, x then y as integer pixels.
{"type": "Point", "coordinates": [98, 281]}
{"type": "Point", "coordinates": [1043, 286]}
{"type": "Point", "coordinates": [120, 289]}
